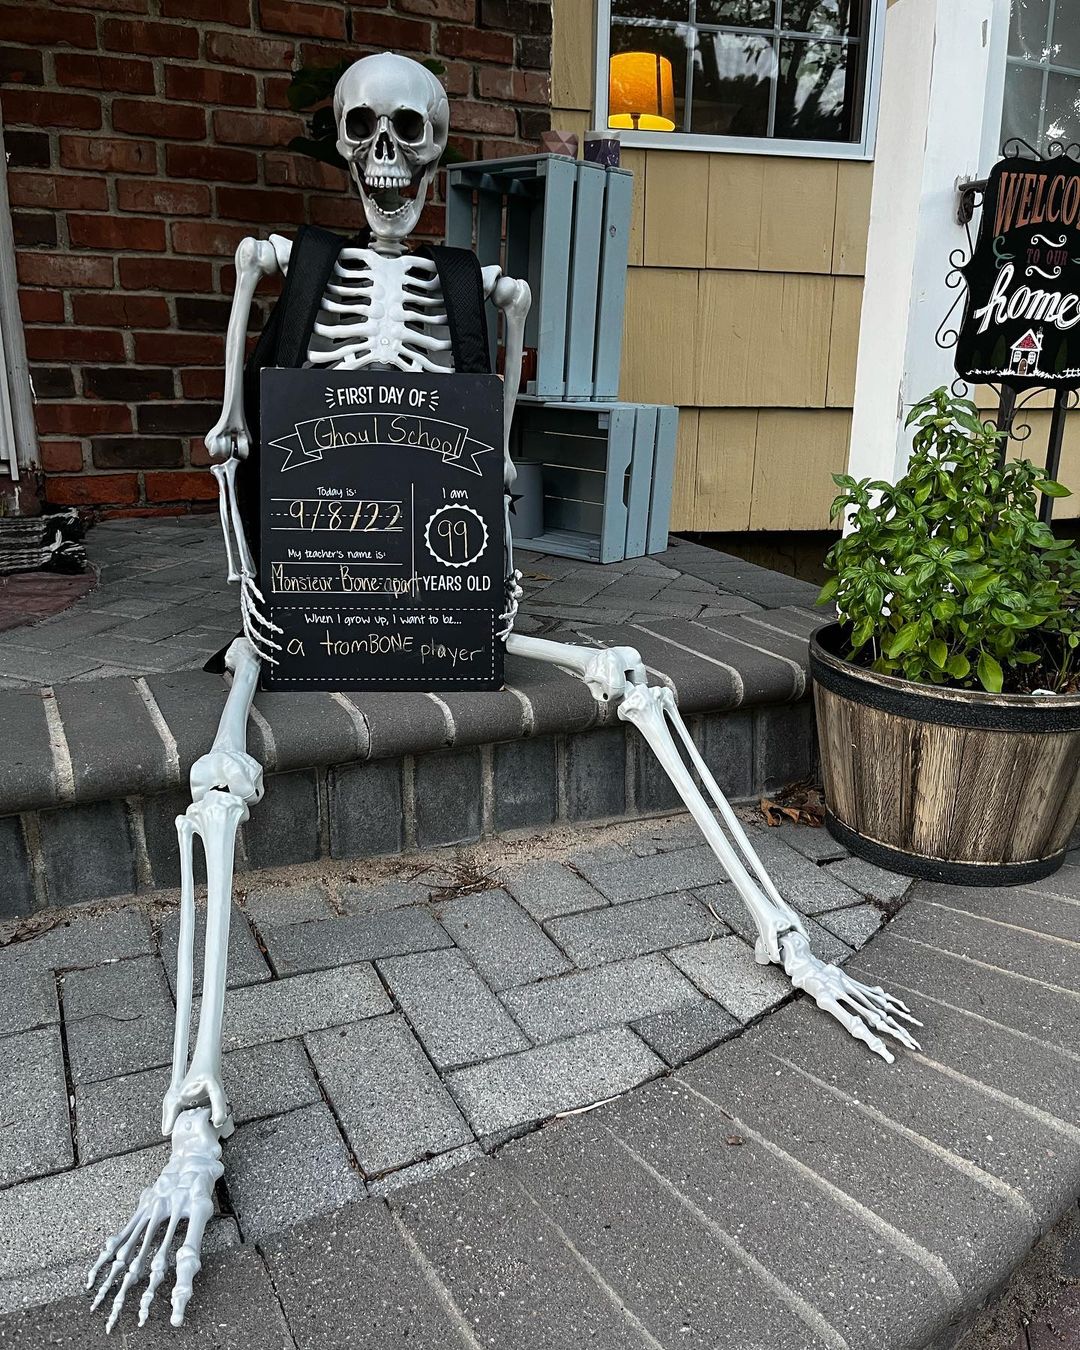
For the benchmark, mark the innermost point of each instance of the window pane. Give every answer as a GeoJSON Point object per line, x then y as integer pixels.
{"type": "Point", "coordinates": [1066, 45]}
{"type": "Point", "coordinates": [830, 18]}
{"type": "Point", "coordinates": [813, 99]}
{"type": "Point", "coordinates": [1020, 111]}
{"type": "Point", "coordinates": [669, 44]}
{"type": "Point", "coordinates": [737, 13]}
{"type": "Point", "coordinates": [674, 11]}
{"type": "Point", "coordinates": [1027, 28]}
{"type": "Point", "coordinates": [733, 75]}
{"type": "Point", "coordinates": [1062, 109]}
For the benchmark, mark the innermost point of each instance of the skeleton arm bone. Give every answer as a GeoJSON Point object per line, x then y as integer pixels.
{"type": "Point", "coordinates": [513, 299]}
{"type": "Point", "coordinates": [255, 259]}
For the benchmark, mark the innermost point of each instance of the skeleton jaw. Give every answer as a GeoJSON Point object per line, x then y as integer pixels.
{"type": "Point", "coordinates": [391, 213]}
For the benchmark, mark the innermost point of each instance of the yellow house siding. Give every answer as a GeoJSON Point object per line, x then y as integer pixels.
{"type": "Point", "coordinates": [742, 309]}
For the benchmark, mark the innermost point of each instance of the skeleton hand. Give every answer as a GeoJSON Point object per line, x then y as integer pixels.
{"type": "Point", "coordinates": [228, 437]}
{"type": "Point", "coordinates": [228, 770]}
{"type": "Point", "coordinates": [513, 595]}
{"type": "Point", "coordinates": [184, 1190]}
{"type": "Point", "coordinates": [855, 1006]}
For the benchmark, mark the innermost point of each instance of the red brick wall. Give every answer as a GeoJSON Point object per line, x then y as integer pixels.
{"type": "Point", "coordinates": [145, 140]}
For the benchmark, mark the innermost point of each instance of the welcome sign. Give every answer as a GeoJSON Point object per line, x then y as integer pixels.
{"type": "Point", "coordinates": [1022, 319]}
{"type": "Point", "coordinates": [382, 530]}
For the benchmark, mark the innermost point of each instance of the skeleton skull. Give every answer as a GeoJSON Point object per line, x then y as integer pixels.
{"type": "Point", "coordinates": [392, 118]}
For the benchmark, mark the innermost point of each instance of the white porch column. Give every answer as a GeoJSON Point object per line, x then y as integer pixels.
{"type": "Point", "coordinates": [942, 79]}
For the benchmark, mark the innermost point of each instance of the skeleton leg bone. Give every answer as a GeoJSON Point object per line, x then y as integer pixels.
{"type": "Point", "coordinates": [618, 673]}
{"type": "Point", "coordinates": [225, 782]}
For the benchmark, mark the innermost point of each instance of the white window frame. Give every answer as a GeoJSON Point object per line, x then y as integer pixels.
{"type": "Point", "coordinates": [862, 149]}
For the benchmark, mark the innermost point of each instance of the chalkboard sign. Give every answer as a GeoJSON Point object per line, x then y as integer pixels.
{"type": "Point", "coordinates": [1022, 320]}
{"type": "Point", "coordinates": [381, 553]}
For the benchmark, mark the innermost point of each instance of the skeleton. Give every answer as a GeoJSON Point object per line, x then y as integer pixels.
{"type": "Point", "coordinates": [383, 308]}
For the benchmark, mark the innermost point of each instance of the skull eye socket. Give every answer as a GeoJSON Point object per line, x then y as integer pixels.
{"type": "Point", "coordinates": [408, 124]}
{"type": "Point", "coordinates": [360, 123]}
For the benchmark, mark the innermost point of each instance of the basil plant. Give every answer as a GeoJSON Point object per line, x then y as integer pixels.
{"type": "Point", "coordinates": [948, 577]}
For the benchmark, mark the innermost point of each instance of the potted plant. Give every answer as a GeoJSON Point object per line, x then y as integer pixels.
{"type": "Point", "coordinates": [948, 694]}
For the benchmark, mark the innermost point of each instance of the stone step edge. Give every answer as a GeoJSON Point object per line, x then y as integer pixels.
{"type": "Point", "coordinates": [84, 851]}
{"type": "Point", "coordinates": [95, 740]}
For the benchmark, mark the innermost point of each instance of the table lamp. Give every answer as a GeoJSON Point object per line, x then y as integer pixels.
{"type": "Point", "coordinates": [641, 93]}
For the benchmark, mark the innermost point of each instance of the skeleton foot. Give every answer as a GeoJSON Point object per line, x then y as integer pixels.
{"type": "Point", "coordinates": [860, 1008]}
{"type": "Point", "coordinates": [183, 1192]}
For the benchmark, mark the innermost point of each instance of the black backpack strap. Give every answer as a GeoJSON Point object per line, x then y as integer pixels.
{"type": "Point", "coordinates": [286, 333]}
{"type": "Point", "coordinates": [462, 285]}
{"type": "Point", "coordinates": [311, 265]}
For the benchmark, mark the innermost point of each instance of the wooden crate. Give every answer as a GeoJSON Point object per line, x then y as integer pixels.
{"type": "Point", "coordinates": [607, 472]}
{"type": "Point", "coordinates": [564, 226]}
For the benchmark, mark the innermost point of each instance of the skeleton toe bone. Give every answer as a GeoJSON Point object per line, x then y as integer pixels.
{"type": "Point", "coordinates": [182, 1193]}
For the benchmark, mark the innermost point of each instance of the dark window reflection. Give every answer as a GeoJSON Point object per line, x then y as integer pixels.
{"type": "Point", "coordinates": [827, 18]}
{"type": "Point", "coordinates": [673, 11]}
{"type": "Point", "coordinates": [1020, 113]}
{"type": "Point", "coordinates": [813, 98]}
{"type": "Point", "coordinates": [1027, 28]}
{"type": "Point", "coordinates": [1062, 109]}
{"type": "Point", "coordinates": [733, 78]}
{"type": "Point", "coordinates": [740, 67]}
{"type": "Point", "coordinates": [737, 13]}
{"type": "Point", "coordinates": [1065, 49]}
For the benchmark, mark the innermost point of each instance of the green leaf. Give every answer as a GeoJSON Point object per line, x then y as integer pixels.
{"type": "Point", "coordinates": [958, 666]}
{"type": "Point", "coordinates": [902, 641]}
{"type": "Point", "coordinates": [938, 653]}
{"type": "Point", "coordinates": [828, 591]}
{"type": "Point", "coordinates": [990, 674]}
{"type": "Point", "coordinates": [1051, 489]}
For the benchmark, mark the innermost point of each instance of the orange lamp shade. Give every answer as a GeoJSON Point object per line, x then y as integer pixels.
{"type": "Point", "coordinates": [641, 92]}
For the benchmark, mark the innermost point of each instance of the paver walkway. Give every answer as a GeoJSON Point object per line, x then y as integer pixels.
{"type": "Point", "coordinates": [783, 1190]}
{"type": "Point", "coordinates": [162, 602]}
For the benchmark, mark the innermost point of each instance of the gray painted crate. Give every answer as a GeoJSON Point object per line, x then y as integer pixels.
{"type": "Point", "coordinates": [607, 473]}
{"type": "Point", "coordinates": [564, 225]}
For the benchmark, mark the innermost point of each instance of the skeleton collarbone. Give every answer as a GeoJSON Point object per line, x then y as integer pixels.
{"type": "Point", "coordinates": [381, 310]}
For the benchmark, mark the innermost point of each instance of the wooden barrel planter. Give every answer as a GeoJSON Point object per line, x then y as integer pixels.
{"type": "Point", "coordinates": [951, 785]}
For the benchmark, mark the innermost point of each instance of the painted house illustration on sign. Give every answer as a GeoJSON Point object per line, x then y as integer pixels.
{"type": "Point", "coordinates": [1024, 353]}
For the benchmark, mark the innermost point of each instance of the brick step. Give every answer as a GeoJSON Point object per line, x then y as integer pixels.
{"type": "Point", "coordinates": [95, 768]}
{"type": "Point", "coordinates": [413, 797]}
